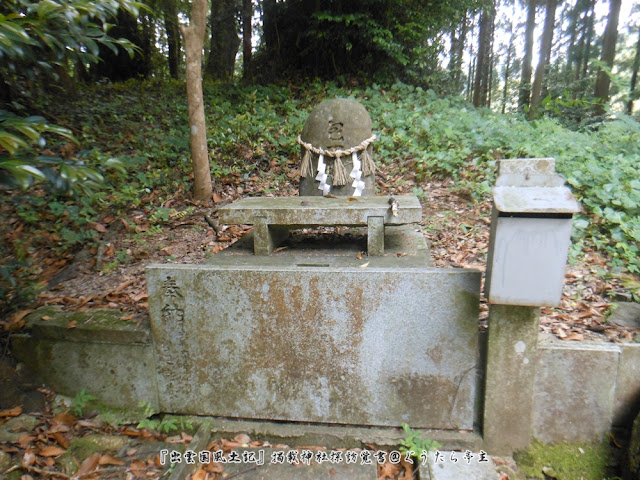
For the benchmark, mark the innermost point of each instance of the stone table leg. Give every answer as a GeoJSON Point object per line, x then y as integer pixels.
{"type": "Point", "coordinates": [510, 375]}
{"type": "Point", "coordinates": [375, 236]}
{"type": "Point", "coordinates": [266, 237]}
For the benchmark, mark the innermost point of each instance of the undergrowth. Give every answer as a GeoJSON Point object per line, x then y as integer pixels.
{"type": "Point", "coordinates": [250, 129]}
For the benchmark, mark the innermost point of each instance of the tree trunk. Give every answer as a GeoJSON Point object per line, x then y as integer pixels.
{"type": "Point", "coordinates": [247, 14]}
{"type": "Point", "coordinates": [458, 34]}
{"type": "Point", "coordinates": [507, 68]}
{"type": "Point", "coordinates": [173, 37]}
{"type": "Point", "coordinates": [193, 40]}
{"type": "Point", "coordinates": [588, 39]}
{"type": "Point", "coordinates": [545, 54]}
{"type": "Point", "coordinates": [224, 39]}
{"type": "Point", "coordinates": [483, 64]}
{"type": "Point", "coordinates": [270, 26]}
{"type": "Point", "coordinates": [147, 44]}
{"type": "Point", "coordinates": [634, 77]}
{"type": "Point", "coordinates": [608, 55]}
{"type": "Point", "coordinates": [525, 78]}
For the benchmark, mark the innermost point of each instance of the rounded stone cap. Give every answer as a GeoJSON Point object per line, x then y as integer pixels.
{"type": "Point", "coordinates": [338, 123]}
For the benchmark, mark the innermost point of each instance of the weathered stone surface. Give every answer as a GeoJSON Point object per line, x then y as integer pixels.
{"type": "Point", "coordinates": [94, 325]}
{"type": "Point", "coordinates": [404, 246]}
{"type": "Point", "coordinates": [5, 461]}
{"type": "Point", "coordinates": [288, 471]}
{"type": "Point", "coordinates": [454, 466]}
{"type": "Point", "coordinates": [634, 450]}
{"type": "Point", "coordinates": [271, 216]}
{"type": "Point", "coordinates": [510, 373]}
{"type": "Point", "coordinates": [574, 392]}
{"type": "Point", "coordinates": [120, 375]}
{"type": "Point", "coordinates": [11, 430]}
{"type": "Point", "coordinates": [339, 436]}
{"type": "Point", "coordinates": [199, 443]}
{"type": "Point", "coordinates": [317, 344]}
{"type": "Point", "coordinates": [375, 236]}
{"type": "Point", "coordinates": [336, 124]}
{"type": "Point", "coordinates": [626, 314]}
{"type": "Point", "coordinates": [301, 211]}
{"type": "Point", "coordinates": [627, 402]}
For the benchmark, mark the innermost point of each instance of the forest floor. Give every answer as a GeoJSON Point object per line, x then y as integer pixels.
{"type": "Point", "coordinates": [110, 274]}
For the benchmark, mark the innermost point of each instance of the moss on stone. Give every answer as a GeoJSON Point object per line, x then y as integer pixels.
{"type": "Point", "coordinates": [566, 461]}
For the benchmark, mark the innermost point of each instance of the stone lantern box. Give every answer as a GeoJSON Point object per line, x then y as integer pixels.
{"type": "Point", "coordinates": [530, 234]}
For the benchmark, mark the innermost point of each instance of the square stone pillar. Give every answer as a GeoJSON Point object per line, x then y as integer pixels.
{"type": "Point", "coordinates": [510, 376]}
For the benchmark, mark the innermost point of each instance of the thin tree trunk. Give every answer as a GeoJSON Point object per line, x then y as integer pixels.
{"type": "Point", "coordinates": [579, 53]}
{"type": "Point", "coordinates": [589, 39]}
{"type": "Point", "coordinates": [173, 37]}
{"type": "Point", "coordinates": [193, 40]}
{"type": "Point", "coordinates": [458, 34]}
{"type": "Point", "coordinates": [634, 77]}
{"type": "Point", "coordinates": [483, 64]}
{"type": "Point", "coordinates": [545, 54]}
{"type": "Point", "coordinates": [247, 14]}
{"type": "Point", "coordinates": [507, 69]}
{"type": "Point", "coordinates": [270, 27]}
{"type": "Point", "coordinates": [603, 81]}
{"type": "Point", "coordinates": [525, 78]}
{"type": "Point", "coordinates": [224, 39]}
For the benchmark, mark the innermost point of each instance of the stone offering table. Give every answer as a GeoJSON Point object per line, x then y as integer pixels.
{"type": "Point", "coordinates": [272, 217]}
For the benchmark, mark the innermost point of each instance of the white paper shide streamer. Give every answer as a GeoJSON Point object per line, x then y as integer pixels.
{"type": "Point", "coordinates": [362, 165]}
{"type": "Point", "coordinates": [356, 174]}
{"type": "Point", "coordinates": [322, 176]}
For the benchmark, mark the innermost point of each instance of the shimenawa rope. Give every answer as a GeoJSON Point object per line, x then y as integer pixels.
{"type": "Point", "coordinates": [339, 172]}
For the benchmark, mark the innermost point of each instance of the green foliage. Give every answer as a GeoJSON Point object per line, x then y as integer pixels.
{"type": "Point", "coordinates": [21, 164]}
{"type": "Point", "coordinates": [566, 461]}
{"type": "Point", "coordinates": [165, 425]}
{"type": "Point", "coordinates": [39, 37]}
{"type": "Point", "coordinates": [80, 401]}
{"type": "Point", "coordinates": [416, 443]}
{"type": "Point", "coordinates": [382, 40]}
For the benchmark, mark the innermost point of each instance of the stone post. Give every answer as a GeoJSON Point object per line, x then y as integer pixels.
{"type": "Point", "coordinates": [510, 375]}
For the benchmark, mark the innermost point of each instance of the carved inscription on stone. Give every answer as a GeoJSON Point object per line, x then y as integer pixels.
{"type": "Point", "coordinates": [335, 133]}
{"type": "Point", "coordinates": [173, 366]}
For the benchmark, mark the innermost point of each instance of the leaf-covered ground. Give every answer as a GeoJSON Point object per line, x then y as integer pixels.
{"type": "Point", "coordinates": [110, 273]}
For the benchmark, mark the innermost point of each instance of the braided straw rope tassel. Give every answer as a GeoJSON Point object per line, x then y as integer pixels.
{"type": "Point", "coordinates": [339, 173]}
{"type": "Point", "coordinates": [305, 169]}
{"type": "Point", "coordinates": [368, 167]}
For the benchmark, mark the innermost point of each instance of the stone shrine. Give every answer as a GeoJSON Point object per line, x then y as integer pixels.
{"type": "Point", "coordinates": [334, 337]}
{"type": "Point", "coordinates": [296, 327]}
{"type": "Point", "coordinates": [340, 126]}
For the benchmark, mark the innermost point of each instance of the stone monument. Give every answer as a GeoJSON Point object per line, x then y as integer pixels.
{"type": "Point", "coordinates": [312, 330]}
{"type": "Point", "coordinates": [337, 150]}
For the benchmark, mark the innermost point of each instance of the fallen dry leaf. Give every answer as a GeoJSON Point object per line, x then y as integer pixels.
{"type": "Point", "coordinates": [359, 255]}
{"type": "Point", "coordinates": [200, 474]}
{"type": "Point", "coordinates": [388, 470]}
{"type": "Point", "coordinates": [72, 324]}
{"type": "Point", "coordinates": [25, 439]}
{"type": "Point", "coordinates": [364, 265]}
{"type": "Point", "coordinates": [28, 458]}
{"type": "Point", "coordinates": [242, 438]}
{"type": "Point", "coordinates": [51, 451]}
{"type": "Point", "coordinates": [12, 412]}
{"type": "Point", "coordinates": [19, 315]}
{"type": "Point", "coordinates": [110, 460]}
{"type": "Point", "coordinates": [89, 465]}
{"type": "Point", "coordinates": [64, 418]}
{"type": "Point", "coordinates": [137, 467]}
